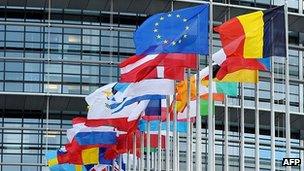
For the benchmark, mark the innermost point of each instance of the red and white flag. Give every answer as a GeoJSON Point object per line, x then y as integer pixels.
{"type": "Point", "coordinates": [170, 66]}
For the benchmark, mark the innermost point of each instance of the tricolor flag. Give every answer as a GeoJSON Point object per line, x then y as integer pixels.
{"type": "Point", "coordinates": [85, 135]}
{"type": "Point", "coordinates": [250, 40]}
{"type": "Point", "coordinates": [84, 156]}
{"type": "Point", "coordinates": [170, 66]}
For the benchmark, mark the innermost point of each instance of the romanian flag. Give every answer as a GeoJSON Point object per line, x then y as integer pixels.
{"type": "Point", "coordinates": [250, 40]}
{"type": "Point", "coordinates": [86, 156]}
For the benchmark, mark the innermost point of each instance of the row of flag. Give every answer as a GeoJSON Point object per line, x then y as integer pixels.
{"type": "Point", "coordinates": [166, 45]}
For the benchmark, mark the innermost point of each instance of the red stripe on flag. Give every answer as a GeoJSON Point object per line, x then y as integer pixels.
{"type": "Point", "coordinates": [232, 36]}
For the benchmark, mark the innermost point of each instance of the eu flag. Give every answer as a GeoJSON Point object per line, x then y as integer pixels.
{"type": "Point", "coordinates": [180, 31]}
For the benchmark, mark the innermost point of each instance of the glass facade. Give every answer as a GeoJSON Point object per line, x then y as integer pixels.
{"type": "Point", "coordinates": [50, 61]}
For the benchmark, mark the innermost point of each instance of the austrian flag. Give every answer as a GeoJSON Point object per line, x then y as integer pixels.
{"type": "Point", "coordinates": [170, 66]}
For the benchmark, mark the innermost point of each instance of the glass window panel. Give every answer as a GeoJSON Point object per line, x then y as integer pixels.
{"type": "Point", "coordinates": [105, 41]}
{"type": "Point", "coordinates": [71, 56]}
{"type": "Point", "coordinates": [33, 29]}
{"type": "Point", "coordinates": [127, 43]}
{"type": "Point", "coordinates": [90, 32]}
{"type": "Point", "coordinates": [13, 76]}
{"type": "Point", "coordinates": [13, 66]}
{"type": "Point", "coordinates": [71, 48]}
{"type": "Point", "coordinates": [108, 32]}
{"type": "Point", "coordinates": [1, 35]}
{"type": "Point", "coordinates": [55, 56]}
{"type": "Point", "coordinates": [32, 87]}
{"type": "Point", "coordinates": [11, 168]}
{"type": "Point", "coordinates": [1, 66]}
{"type": "Point", "coordinates": [108, 70]}
{"type": "Point", "coordinates": [91, 48]}
{"type": "Point", "coordinates": [14, 36]}
{"type": "Point", "coordinates": [33, 55]}
{"type": "Point", "coordinates": [90, 58]}
{"type": "Point", "coordinates": [89, 69]}
{"type": "Point", "coordinates": [53, 77]}
{"type": "Point", "coordinates": [72, 39]}
{"type": "Point", "coordinates": [33, 45]}
{"type": "Point", "coordinates": [12, 137]}
{"type": "Point", "coordinates": [126, 34]}
{"type": "Point", "coordinates": [53, 88]}
{"type": "Point", "coordinates": [54, 38]}
{"type": "Point", "coordinates": [33, 67]}
{"type": "Point", "coordinates": [72, 30]}
{"type": "Point", "coordinates": [91, 40]}
{"type": "Point", "coordinates": [14, 28]}
{"type": "Point", "coordinates": [88, 89]}
{"type": "Point", "coordinates": [53, 68]}
{"type": "Point", "coordinates": [31, 168]}
{"type": "Point", "coordinates": [15, 54]}
{"type": "Point", "coordinates": [90, 79]}
{"type": "Point", "coordinates": [71, 69]}
{"type": "Point", "coordinates": [9, 86]}
{"type": "Point", "coordinates": [14, 44]}
{"type": "Point", "coordinates": [71, 78]}
{"type": "Point", "coordinates": [72, 89]}
{"type": "Point", "coordinates": [32, 77]}
{"type": "Point", "coordinates": [33, 37]}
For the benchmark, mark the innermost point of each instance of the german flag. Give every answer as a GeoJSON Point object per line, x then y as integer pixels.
{"type": "Point", "coordinates": [250, 40]}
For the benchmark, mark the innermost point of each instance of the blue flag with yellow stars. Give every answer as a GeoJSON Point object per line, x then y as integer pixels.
{"type": "Point", "coordinates": [180, 31]}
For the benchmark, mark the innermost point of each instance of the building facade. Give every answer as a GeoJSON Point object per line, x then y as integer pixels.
{"type": "Point", "coordinates": [53, 53]}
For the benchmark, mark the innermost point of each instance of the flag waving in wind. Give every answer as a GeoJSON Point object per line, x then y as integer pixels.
{"type": "Point", "coordinates": [180, 31]}
{"type": "Point", "coordinates": [250, 40]}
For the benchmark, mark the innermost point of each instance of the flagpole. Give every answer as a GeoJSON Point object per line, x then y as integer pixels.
{"type": "Point", "coordinates": [191, 146]}
{"type": "Point", "coordinates": [242, 157]}
{"type": "Point", "coordinates": [226, 127]}
{"type": "Point", "coordinates": [134, 152]}
{"type": "Point", "coordinates": [174, 146]}
{"type": "Point", "coordinates": [168, 135]}
{"type": "Point", "coordinates": [188, 151]}
{"type": "Point", "coordinates": [272, 116]}
{"type": "Point", "coordinates": [257, 129]}
{"type": "Point", "coordinates": [159, 166]}
{"type": "Point", "coordinates": [287, 115]}
{"type": "Point", "coordinates": [174, 133]}
{"type": "Point", "coordinates": [226, 155]}
{"type": "Point", "coordinates": [128, 161]}
{"type": "Point", "coordinates": [148, 147]}
{"type": "Point", "coordinates": [211, 158]}
{"type": "Point", "coordinates": [142, 146]}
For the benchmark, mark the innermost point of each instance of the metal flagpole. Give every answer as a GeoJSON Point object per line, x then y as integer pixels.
{"type": "Point", "coordinates": [175, 163]}
{"type": "Point", "coordinates": [287, 115]}
{"type": "Point", "coordinates": [128, 161]}
{"type": "Point", "coordinates": [188, 151]}
{"type": "Point", "coordinates": [134, 152]}
{"type": "Point", "coordinates": [142, 146]}
{"type": "Point", "coordinates": [211, 158]}
{"type": "Point", "coordinates": [174, 145]}
{"type": "Point", "coordinates": [168, 135]}
{"type": "Point", "coordinates": [191, 146]}
{"type": "Point", "coordinates": [272, 116]}
{"type": "Point", "coordinates": [242, 150]}
{"type": "Point", "coordinates": [226, 155]}
{"type": "Point", "coordinates": [257, 129]}
{"type": "Point", "coordinates": [226, 127]}
{"type": "Point", "coordinates": [148, 147]}
{"type": "Point", "coordinates": [159, 166]}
